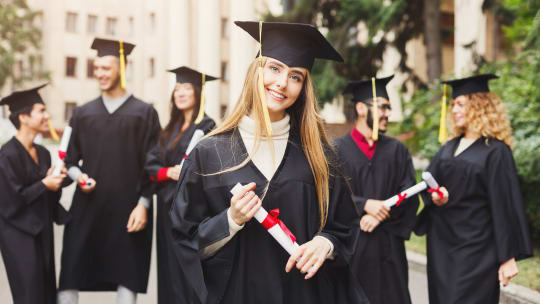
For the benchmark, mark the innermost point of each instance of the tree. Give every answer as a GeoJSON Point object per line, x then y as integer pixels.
{"type": "Point", "coordinates": [19, 43]}
{"type": "Point", "coordinates": [386, 22]}
{"type": "Point", "coordinates": [432, 39]}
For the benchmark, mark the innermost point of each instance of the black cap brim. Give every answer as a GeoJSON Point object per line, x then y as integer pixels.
{"type": "Point", "coordinates": [106, 47]}
{"type": "Point", "coordinates": [470, 85]}
{"type": "Point", "coordinates": [362, 89]}
{"type": "Point", "coordinates": [188, 75]}
{"type": "Point", "coordinates": [19, 100]}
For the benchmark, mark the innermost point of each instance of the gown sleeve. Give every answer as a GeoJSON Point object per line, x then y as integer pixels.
{"type": "Point", "coordinates": [403, 217]}
{"type": "Point", "coordinates": [149, 142]}
{"type": "Point", "coordinates": [510, 226]}
{"type": "Point", "coordinates": [342, 225]}
{"type": "Point", "coordinates": [74, 149]}
{"type": "Point", "coordinates": [195, 225]}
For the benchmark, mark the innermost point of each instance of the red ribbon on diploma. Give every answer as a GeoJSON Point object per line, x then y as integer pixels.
{"type": "Point", "coordinates": [437, 190]}
{"type": "Point", "coordinates": [185, 156]}
{"type": "Point", "coordinates": [272, 219]}
{"type": "Point", "coordinates": [401, 198]}
{"type": "Point", "coordinates": [62, 154]}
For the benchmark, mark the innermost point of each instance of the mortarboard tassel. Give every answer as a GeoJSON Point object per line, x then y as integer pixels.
{"type": "Point", "coordinates": [443, 135]}
{"type": "Point", "coordinates": [54, 135]}
{"type": "Point", "coordinates": [201, 106]}
{"type": "Point", "coordinates": [122, 66]}
{"type": "Point", "coordinates": [267, 123]}
{"type": "Point", "coordinates": [375, 134]}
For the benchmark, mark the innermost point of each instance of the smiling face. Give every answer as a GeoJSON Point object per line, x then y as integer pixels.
{"type": "Point", "coordinates": [459, 111]}
{"type": "Point", "coordinates": [107, 72]}
{"type": "Point", "coordinates": [37, 118]}
{"type": "Point", "coordinates": [184, 96]}
{"type": "Point", "coordinates": [283, 85]}
{"type": "Point", "coordinates": [363, 109]}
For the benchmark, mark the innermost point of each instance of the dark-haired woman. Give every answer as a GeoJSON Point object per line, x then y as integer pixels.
{"type": "Point", "coordinates": [163, 166]}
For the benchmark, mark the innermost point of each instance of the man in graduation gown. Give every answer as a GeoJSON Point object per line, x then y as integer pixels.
{"type": "Point", "coordinates": [107, 245]}
{"type": "Point", "coordinates": [378, 169]}
{"type": "Point", "coordinates": [29, 203]}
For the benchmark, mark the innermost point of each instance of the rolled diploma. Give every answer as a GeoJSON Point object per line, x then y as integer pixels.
{"type": "Point", "coordinates": [64, 142]}
{"type": "Point", "coordinates": [428, 178]}
{"type": "Point", "coordinates": [421, 186]}
{"type": "Point", "coordinates": [275, 231]}
{"type": "Point", "coordinates": [197, 135]}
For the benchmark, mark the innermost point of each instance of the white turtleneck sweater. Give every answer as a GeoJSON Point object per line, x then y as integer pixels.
{"type": "Point", "coordinates": [262, 158]}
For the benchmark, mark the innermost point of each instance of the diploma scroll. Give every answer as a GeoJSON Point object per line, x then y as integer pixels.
{"type": "Point", "coordinates": [428, 181]}
{"type": "Point", "coordinates": [274, 226]}
{"type": "Point", "coordinates": [62, 150]}
{"type": "Point", "coordinates": [197, 135]}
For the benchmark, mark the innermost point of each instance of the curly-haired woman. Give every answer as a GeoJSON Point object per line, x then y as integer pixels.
{"type": "Point", "coordinates": [478, 230]}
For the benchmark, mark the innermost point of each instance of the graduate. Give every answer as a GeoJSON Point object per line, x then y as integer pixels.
{"type": "Point", "coordinates": [29, 203]}
{"type": "Point", "coordinates": [163, 167]}
{"type": "Point", "coordinates": [107, 245]}
{"type": "Point", "coordinates": [378, 169]}
{"type": "Point", "coordinates": [274, 144]}
{"type": "Point", "coordinates": [477, 232]}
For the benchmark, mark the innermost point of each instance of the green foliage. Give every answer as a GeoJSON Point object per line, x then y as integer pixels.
{"type": "Point", "coordinates": [402, 18]}
{"type": "Point", "coordinates": [20, 39]}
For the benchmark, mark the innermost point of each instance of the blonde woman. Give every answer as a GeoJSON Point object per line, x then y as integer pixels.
{"type": "Point", "coordinates": [475, 234]}
{"type": "Point", "coordinates": [230, 258]}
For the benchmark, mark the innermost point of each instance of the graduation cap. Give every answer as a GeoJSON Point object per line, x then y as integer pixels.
{"type": "Point", "coordinates": [118, 48]}
{"type": "Point", "coordinates": [19, 100]}
{"type": "Point", "coordinates": [362, 90]}
{"type": "Point", "coordinates": [295, 44]}
{"type": "Point", "coordinates": [187, 75]}
{"type": "Point", "coordinates": [470, 85]}
{"type": "Point", "coordinates": [370, 89]}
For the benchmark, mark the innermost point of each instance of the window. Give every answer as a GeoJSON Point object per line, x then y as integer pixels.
{"type": "Point", "coordinates": [152, 67]}
{"type": "Point", "coordinates": [131, 26]}
{"type": "Point", "coordinates": [224, 28]}
{"type": "Point", "coordinates": [68, 109]}
{"type": "Point", "coordinates": [91, 24]}
{"type": "Point", "coordinates": [224, 71]}
{"type": "Point", "coordinates": [71, 65]}
{"type": "Point", "coordinates": [71, 22]}
{"type": "Point", "coordinates": [222, 110]}
{"type": "Point", "coordinates": [111, 26]}
{"type": "Point", "coordinates": [152, 23]}
{"type": "Point", "coordinates": [90, 68]}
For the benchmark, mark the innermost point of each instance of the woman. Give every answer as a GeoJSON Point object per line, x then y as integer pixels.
{"type": "Point", "coordinates": [230, 257]}
{"type": "Point", "coordinates": [163, 166]}
{"type": "Point", "coordinates": [29, 203]}
{"type": "Point", "coordinates": [475, 234]}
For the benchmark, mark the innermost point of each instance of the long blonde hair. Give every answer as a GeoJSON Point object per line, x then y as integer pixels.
{"type": "Point", "coordinates": [305, 113]}
{"type": "Point", "coordinates": [486, 115]}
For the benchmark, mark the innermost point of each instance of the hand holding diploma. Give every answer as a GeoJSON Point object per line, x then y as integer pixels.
{"type": "Point", "coordinates": [86, 183]}
{"type": "Point", "coordinates": [428, 180]}
{"type": "Point", "coordinates": [309, 257]}
{"type": "Point", "coordinates": [174, 172]}
{"type": "Point", "coordinates": [197, 135]}
{"type": "Point", "coordinates": [62, 150]}
{"type": "Point", "coordinates": [53, 182]}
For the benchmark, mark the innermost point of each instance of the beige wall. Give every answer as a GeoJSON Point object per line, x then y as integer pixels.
{"type": "Point", "coordinates": [186, 32]}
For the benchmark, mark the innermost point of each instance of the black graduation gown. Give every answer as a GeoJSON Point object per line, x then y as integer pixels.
{"type": "Point", "coordinates": [380, 261]}
{"type": "Point", "coordinates": [168, 268]}
{"type": "Point", "coordinates": [98, 252]}
{"type": "Point", "coordinates": [27, 211]}
{"type": "Point", "coordinates": [482, 225]}
{"type": "Point", "coordinates": [250, 268]}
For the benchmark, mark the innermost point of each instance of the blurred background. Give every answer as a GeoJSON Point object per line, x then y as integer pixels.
{"type": "Point", "coordinates": [421, 41]}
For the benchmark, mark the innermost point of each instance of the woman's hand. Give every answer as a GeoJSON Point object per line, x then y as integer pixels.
{"type": "Point", "coordinates": [440, 201]}
{"type": "Point", "coordinates": [53, 182]}
{"type": "Point", "coordinates": [309, 257]}
{"type": "Point", "coordinates": [244, 204]}
{"type": "Point", "coordinates": [174, 172]}
{"type": "Point", "coordinates": [377, 209]}
{"type": "Point", "coordinates": [368, 223]}
{"type": "Point", "coordinates": [507, 271]}
{"type": "Point", "coordinates": [137, 219]}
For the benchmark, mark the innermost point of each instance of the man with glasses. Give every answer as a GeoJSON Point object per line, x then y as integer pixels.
{"type": "Point", "coordinates": [378, 167]}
